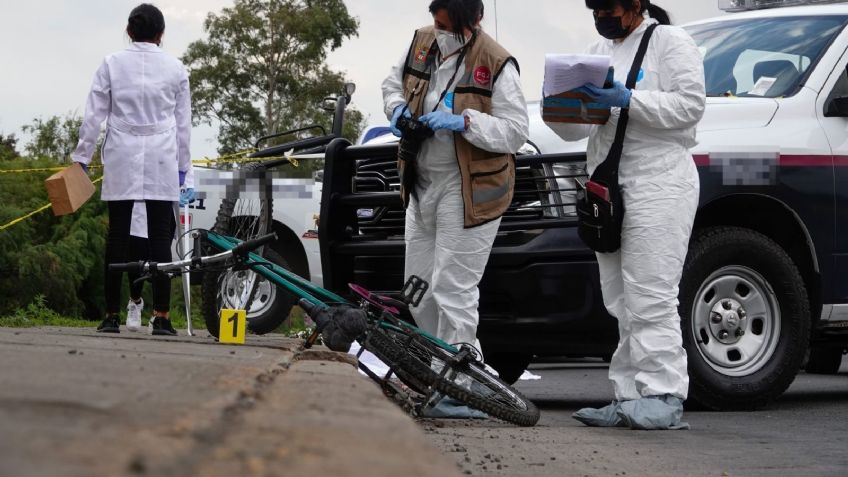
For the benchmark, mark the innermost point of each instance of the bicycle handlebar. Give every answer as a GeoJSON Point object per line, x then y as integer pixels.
{"type": "Point", "coordinates": [134, 268]}
{"type": "Point", "coordinates": [310, 308]}
{"type": "Point", "coordinates": [243, 248]}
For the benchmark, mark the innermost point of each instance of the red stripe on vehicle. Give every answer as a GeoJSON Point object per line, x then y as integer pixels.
{"type": "Point", "coordinates": [805, 161]}
{"type": "Point", "coordinates": [791, 160]}
{"type": "Point", "coordinates": [701, 160]}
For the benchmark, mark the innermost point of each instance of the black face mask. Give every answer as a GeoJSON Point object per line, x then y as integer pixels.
{"type": "Point", "coordinates": [611, 28]}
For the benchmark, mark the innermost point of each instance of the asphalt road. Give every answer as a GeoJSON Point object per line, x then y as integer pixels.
{"type": "Point", "coordinates": [805, 433]}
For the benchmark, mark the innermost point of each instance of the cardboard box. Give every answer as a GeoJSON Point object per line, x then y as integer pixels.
{"type": "Point", "coordinates": [69, 189]}
{"type": "Point", "coordinates": [573, 107]}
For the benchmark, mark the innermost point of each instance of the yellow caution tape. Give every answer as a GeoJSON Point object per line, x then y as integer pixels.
{"type": "Point", "coordinates": [230, 158]}
{"type": "Point", "coordinates": [43, 169]}
{"type": "Point", "coordinates": [34, 212]}
{"type": "Point", "coordinates": [235, 158]}
{"type": "Point", "coordinates": [21, 219]}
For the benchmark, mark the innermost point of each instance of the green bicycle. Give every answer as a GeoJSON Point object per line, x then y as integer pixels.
{"type": "Point", "coordinates": [429, 367]}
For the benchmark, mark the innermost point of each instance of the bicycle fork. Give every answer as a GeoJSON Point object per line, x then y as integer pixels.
{"type": "Point", "coordinates": [462, 358]}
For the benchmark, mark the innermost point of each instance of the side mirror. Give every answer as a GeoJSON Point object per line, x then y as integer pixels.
{"type": "Point", "coordinates": [837, 107]}
{"type": "Point", "coordinates": [328, 104]}
{"type": "Point", "coordinates": [349, 89]}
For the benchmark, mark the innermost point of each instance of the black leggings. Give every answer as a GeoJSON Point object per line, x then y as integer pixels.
{"type": "Point", "coordinates": [160, 232]}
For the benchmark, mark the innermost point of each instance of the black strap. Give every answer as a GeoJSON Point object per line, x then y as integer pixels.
{"type": "Point", "coordinates": [609, 168]}
{"type": "Point", "coordinates": [455, 71]}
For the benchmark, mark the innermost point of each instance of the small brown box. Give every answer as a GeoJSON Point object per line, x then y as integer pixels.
{"type": "Point", "coordinates": [69, 189]}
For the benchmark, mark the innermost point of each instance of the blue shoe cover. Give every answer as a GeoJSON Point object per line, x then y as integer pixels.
{"type": "Point", "coordinates": [606, 416]}
{"type": "Point", "coordinates": [653, 413]}
{"type": "Point", "coordinates": [449, 408]}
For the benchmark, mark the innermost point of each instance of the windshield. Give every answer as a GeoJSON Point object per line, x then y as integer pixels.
{"type": "Point", "coordinates": [768, 57]}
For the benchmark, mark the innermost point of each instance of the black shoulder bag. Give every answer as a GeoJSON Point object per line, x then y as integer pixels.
{"type": "Point", "coordinates": [600, 207]}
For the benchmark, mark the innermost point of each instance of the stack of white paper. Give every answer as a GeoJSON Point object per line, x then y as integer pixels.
{"type": "Point", "coordinates": [567, 72]}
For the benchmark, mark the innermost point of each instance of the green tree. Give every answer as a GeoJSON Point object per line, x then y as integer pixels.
{"type": "Point", "coordinates": [262, 68]}
{"type": "Point", "coordinates": [60, 258]}
{"type": "Point", "coordinates": [56, 137]}
{"type": "Point", "coordinates": [8, 147]}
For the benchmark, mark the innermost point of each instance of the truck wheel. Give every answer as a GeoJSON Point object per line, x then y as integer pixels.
{"type": "Point", "coordinates": [268, 310]}
{"type": "Point", "coordinates": [745, 319]}
{"type": "Point", "coordinates": [510, 366]}
{"type": "Point", "coordinates": [824, 360]}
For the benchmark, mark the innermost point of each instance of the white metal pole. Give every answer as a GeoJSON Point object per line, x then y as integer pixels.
{"type": "Point", "coordinates": [187, 274]}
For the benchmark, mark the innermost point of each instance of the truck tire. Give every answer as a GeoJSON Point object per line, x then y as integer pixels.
{"type": "Point", "coordinates": [824, 360]}
{"type": "Point", "coordinates": [745, 319]}
{"type": "Point", "coordinates": [510, 366]}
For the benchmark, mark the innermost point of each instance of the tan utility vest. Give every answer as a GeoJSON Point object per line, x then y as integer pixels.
{"type": "Point", "coordinates": [488, 178]}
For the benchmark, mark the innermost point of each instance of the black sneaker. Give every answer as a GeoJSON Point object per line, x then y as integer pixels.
{"type": "Point", "coordinates": [111, 324]}
{"type": "Point", "coordinates": [162, 326]}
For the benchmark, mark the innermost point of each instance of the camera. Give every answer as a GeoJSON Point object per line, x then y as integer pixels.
{"type": "Point", "coordinates": [414, 130]}
{"type": "Point", "coordinates": [413, 133]}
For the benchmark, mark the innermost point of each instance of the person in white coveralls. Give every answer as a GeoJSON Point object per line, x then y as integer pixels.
{"type": "Point", "coordinates": [463, 85]}
{"type": "Point", "coordinates": [660, 187]}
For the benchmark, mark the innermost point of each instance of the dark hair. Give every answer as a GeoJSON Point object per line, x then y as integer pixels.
{"type": "Point", "coordinates": [462, 13]}
{"type": "Point", "coordinates": [653, 10]}
{"type": "Point", "coordinates": [146, 23]}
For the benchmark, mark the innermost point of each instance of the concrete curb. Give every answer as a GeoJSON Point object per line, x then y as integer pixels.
{"type": "Point", "coordinates": [321, 418]}
{"type": "Point", "coordinates": [81, 403]}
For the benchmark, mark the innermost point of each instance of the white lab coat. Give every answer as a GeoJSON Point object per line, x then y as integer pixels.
{"type": "Point", "coordinates": [143, 95]}
{"type": "Point", "coordinates": [660, 186]}
{"type": "Point", "coordinates": [439, 248]}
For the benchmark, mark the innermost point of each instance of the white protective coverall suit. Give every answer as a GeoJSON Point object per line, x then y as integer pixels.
{"type": "Point", "coordinates": [660, 186]}
{"type": "Point", "coordinates": [438, 247]}
{"type": "Point", "coordinates": [148, 134]}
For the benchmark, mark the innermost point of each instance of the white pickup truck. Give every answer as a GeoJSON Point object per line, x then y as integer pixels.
{"type": "Point", "coordinates": [763, 288]}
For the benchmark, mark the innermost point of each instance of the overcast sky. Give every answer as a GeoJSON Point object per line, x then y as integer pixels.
{"type": "Point", "coordinates": [49, 49]}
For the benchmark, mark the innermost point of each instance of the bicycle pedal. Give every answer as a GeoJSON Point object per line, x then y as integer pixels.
{"type": "Point", "coordinates": [413, 290]}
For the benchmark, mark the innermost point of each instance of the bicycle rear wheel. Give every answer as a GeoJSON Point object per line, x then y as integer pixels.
{"type": "Point", "coordinates": [246, 213]}
{"type": "Point", "coordinates": [420, 364]}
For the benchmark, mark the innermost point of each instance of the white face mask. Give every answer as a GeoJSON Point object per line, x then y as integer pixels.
{"type": "Point", "coordinates": [448, 44]}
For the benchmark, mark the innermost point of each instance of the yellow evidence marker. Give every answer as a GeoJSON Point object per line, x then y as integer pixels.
{"type": "Point", "coordinates": [232, 327]}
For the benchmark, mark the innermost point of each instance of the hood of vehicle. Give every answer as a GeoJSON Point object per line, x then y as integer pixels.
{"type": "Point", "coordinates": [737, 113]}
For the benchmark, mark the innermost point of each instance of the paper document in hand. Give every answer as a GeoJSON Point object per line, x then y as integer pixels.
{"type": "Point", "coordinates": [567, 72]}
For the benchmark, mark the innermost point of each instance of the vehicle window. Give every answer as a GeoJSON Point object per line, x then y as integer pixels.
{"type": "Point", "coordinates": [768, 57]}
{"type": "Point", "coordinates": [840, 89]}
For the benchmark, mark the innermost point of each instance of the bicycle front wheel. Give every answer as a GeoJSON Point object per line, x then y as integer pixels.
{"type": "Point", "coordinates": [420, 364]}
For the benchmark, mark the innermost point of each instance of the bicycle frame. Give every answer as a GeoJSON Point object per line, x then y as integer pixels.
{"type": "Point", "coordinates": [302, 288]}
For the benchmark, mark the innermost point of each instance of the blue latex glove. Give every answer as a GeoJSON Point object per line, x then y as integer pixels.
{"type": "Point", "coordinates": [84, 167]}
{"type": "Point", "coordinates": [182, 178]}
{"type": "Point", "coordinates": [616, 97]}
{"type": "Point", "coordinates": [186, 196]}
{"type": "Point", "coordinates": [396, 116]}
{"type": "Point", "coordinates": [442, 120]}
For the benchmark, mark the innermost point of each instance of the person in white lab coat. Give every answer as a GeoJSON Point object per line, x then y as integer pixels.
{"type": "Point", "coordinates": [463, 85]}
{"type": "Point", "coordinates": [143, 95]}
{"type": "Point", "coordinates": [660, 187]}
